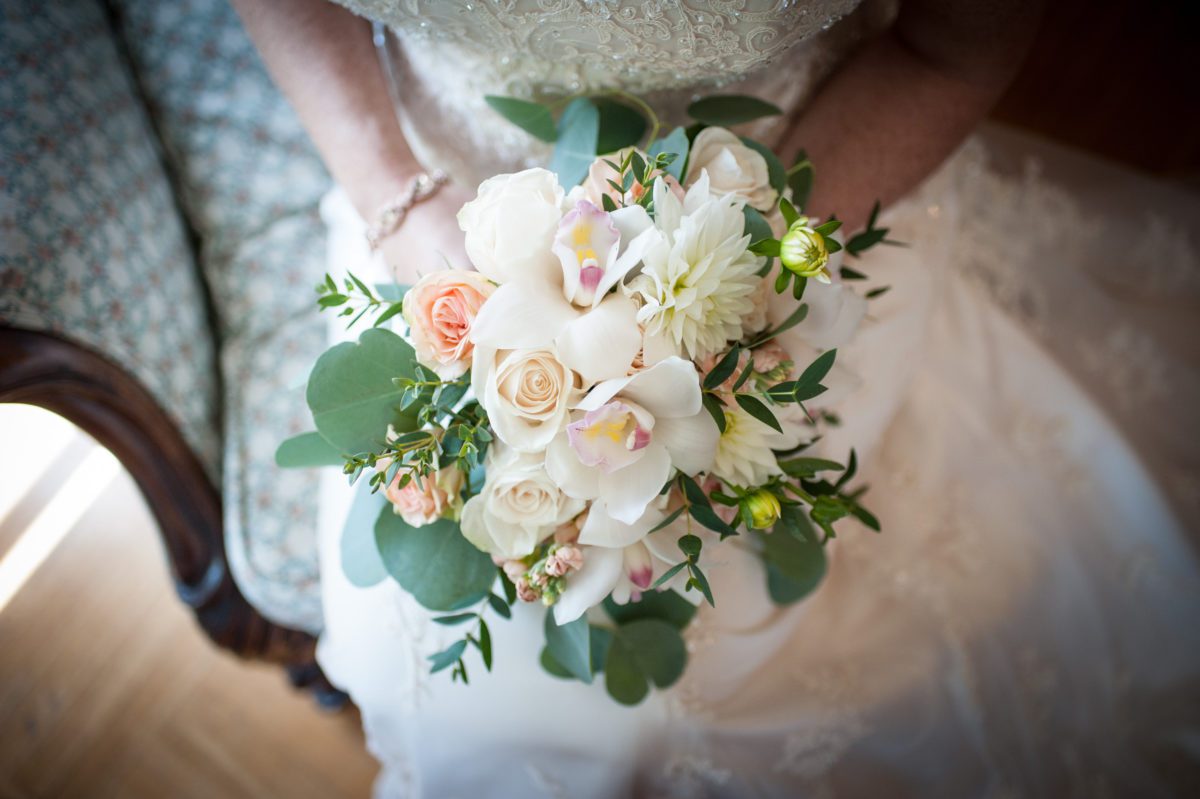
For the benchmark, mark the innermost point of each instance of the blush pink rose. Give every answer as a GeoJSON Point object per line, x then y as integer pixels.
{"type": "Point", "coordinates": [440, 310]}
{"type": "Point", "coordinates": [423, 501]}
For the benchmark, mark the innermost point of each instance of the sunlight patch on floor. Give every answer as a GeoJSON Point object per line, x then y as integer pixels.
{"type": "Point", "coordinates": [33, 441]}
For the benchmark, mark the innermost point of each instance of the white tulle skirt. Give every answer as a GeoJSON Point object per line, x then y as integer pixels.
{"type": "Point", "coordinates": [1026, 624]}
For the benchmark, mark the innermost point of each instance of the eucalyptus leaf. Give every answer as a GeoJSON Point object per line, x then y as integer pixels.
{"type": "Point", "coordinates": [448, 656]}
{"type": "Point", "coordinates": [306, 450]}
{"type": "Point", "coordinates": [728, 110]}
{"type": "Point", "coordinates": [361, 562]}
{"type": "Point", "coordinates": [800, 564]}
{"type": "Point", "coordinates": [434, 563]}
{"type": "Point", "coordinates": [776, 174]}
{"type": "Point", "coordinates": [800, 180]}
{"type": "Point", "coordinates": [352, 395]}
{"type": "Point", "coordinates": [724, 368]}
{"type": "Point", "coordinates": [666, 606]}
{"type": "Point", "coordinates": [533, 118]}
{"type": "Point", "coordinates": [570, 645]}
{"type": "Point", "coordinates": [578, 135]}
{"type": "Point", "coordinates": [674, 142]}
{"type": "Point", "coordinates": [756, 225]}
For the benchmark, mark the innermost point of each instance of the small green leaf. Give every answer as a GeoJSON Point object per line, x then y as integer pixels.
{"type": "Point", "coordinates": [500, 606]}
{"type": "Point", "coordinates": [851, 274]}
{"type": "Point", "coordinates": [447, 657]}
{"type": "Point", "coordinates": [690, 545]}
{"type": "Point", "coordinates": [669, 574]}
{"type": "Point", "coordinates": [393, 310]}
{"type": "Point", "coordinates": [575, 149]}
{"type": "Point", "coordinates": [759, 411]}
{"type": "Point", "coordinates": [800, 180]}
{"type": "Point", "coordinates": [570, 645]}
{"type": "Point", "coordinates": [817, 370]}
{"type": "Point", "coordinates": [724, 368]}
{"type": "Point", "coordinates": [485, 644]}
{"type": "Point", "coordinates": [458, 618]}
{"type": "Point", "coordinates": [713, 406]}
{"type": "Point", "coordinates": [789, 212]}
{"type": "Point", "coordinates": [756, 226]}
{"type": "Point", "coordinates": [700, 581]}
{"type": "Point", "coordinates": [533, 118]}
{"type": "Point", "coordinates": [730, 109]}
{"type": "Point", "coordinates": [675, 142]}
{"type": "Point", "coordinates": [808, 467]}
{"type": "Point", "coordinates": [672, 516]}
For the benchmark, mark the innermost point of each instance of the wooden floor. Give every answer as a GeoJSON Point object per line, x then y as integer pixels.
{"type": "Point", "coordinates": [107, 687]}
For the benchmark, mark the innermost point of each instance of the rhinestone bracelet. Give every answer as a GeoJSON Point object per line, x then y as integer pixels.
{"type": "Point", "coordinates": [389, 217]}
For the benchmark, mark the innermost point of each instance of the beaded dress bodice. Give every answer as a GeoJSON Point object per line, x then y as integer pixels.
{"type": "Point", "coordinates": [445, 56]}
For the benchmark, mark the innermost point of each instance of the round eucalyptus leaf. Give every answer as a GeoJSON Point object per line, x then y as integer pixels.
{"type": "Point", "coordinates": [434, 563]}
{"type": "Point", "coordinates": [352, 395]}
{"type": "Point", "coordinates": [361, 561]}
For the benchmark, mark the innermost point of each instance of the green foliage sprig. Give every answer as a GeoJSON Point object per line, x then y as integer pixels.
{"type": "Point", "coordinates": [356, 300]}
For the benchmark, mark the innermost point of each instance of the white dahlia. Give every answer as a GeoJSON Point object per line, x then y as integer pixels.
{"type": "Point", "coordinates": [746, 450]}
{"type": "Point", "coordinates": [698, 280]}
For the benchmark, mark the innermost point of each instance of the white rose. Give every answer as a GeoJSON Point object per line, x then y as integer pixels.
{"type": "Point", "coordinates": [733, 168]}
{"type": "Point", "coordinates": [518, 507]}
{"type": "Point", "coordinates": [526, 393]}
{"type": "Point", "coordinates": [510, 226]}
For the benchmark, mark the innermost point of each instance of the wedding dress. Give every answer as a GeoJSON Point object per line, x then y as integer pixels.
{"type": "Point", "coordinates": [1026, 624]}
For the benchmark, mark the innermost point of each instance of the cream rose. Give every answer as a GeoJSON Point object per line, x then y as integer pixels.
{"type": "Point", "coordinates": [440, 310]}
{"type": "Point", "coordinates": [425, 500]}
{"type": "Point", "coordinates": [518, 507]}
{"type": "Point", "coordinates": [510, 226]}
{"type": "Point", "coordinates": [526, 393]}
{"type": "Point", "coordinates": [733, 168]}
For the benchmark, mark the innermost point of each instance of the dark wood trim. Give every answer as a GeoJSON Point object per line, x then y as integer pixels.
{"type": "Point", "coordinates": [101, 398]}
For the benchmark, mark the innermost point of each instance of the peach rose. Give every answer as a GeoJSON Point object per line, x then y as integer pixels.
{"type": "Point", "coordinates": [425, 500]}
{"type": "Point", "coordinates": [440, 310]}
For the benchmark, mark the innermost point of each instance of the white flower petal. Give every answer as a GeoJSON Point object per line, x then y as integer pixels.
{"type": "Point", "coordinates": [472, 524]}
{"type": "Point", "coordinates": [602, 343]}
{"type": "Point", "coordinates": [522, 315]}
{"type": "Point", "coordinates": [588, 586]}
{"type": "Point", "coordinates": [691, 441]}
{"type": "Point", "coordinates": [572, 477]}
{"type": "Point", "coordinates": [626, 492]}
{"type": "Point", "coordinates": [602, 530]}
{"type": "Point", "coordinates": [669, 389]}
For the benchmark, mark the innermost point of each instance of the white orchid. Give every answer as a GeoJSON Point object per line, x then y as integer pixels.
{"type": "Point", "coordinates": [628, 436]}
{"type": "Point", "coordinates": [698, 278]}
{"type": "Point", "coordinates": [596, 334]}
{"type": "Point", "coordinates": [627, 566]}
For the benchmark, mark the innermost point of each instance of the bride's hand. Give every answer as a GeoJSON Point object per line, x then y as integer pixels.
{"type": "Point", "coordinates": [429, 238]}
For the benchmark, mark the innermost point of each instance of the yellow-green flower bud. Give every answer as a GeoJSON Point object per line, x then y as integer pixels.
{"type": "Point", "coordinates": [764, 509]}
{"type": "Point", "coordinates": [802, 250]}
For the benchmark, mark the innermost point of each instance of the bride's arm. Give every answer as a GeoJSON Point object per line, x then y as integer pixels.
{"type": "Point", "coordinates": [320, 55]}
{"type": "Point", "coordinates": [895, 110]}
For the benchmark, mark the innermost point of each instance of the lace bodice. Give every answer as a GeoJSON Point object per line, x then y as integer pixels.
{"type": "Point", "coordinates": [447, 54]}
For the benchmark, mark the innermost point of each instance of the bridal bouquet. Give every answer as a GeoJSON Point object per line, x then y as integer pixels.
{"type": "Point", "coordinates": [625, 380]}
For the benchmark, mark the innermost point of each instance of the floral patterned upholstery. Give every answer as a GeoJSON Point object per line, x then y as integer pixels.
{"type": "Point", "coordinates": [90, 247]}
{"type": "Point", "coordinates": [177, 84]}
{"type": "Point", "coordinates": [249, 183]}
